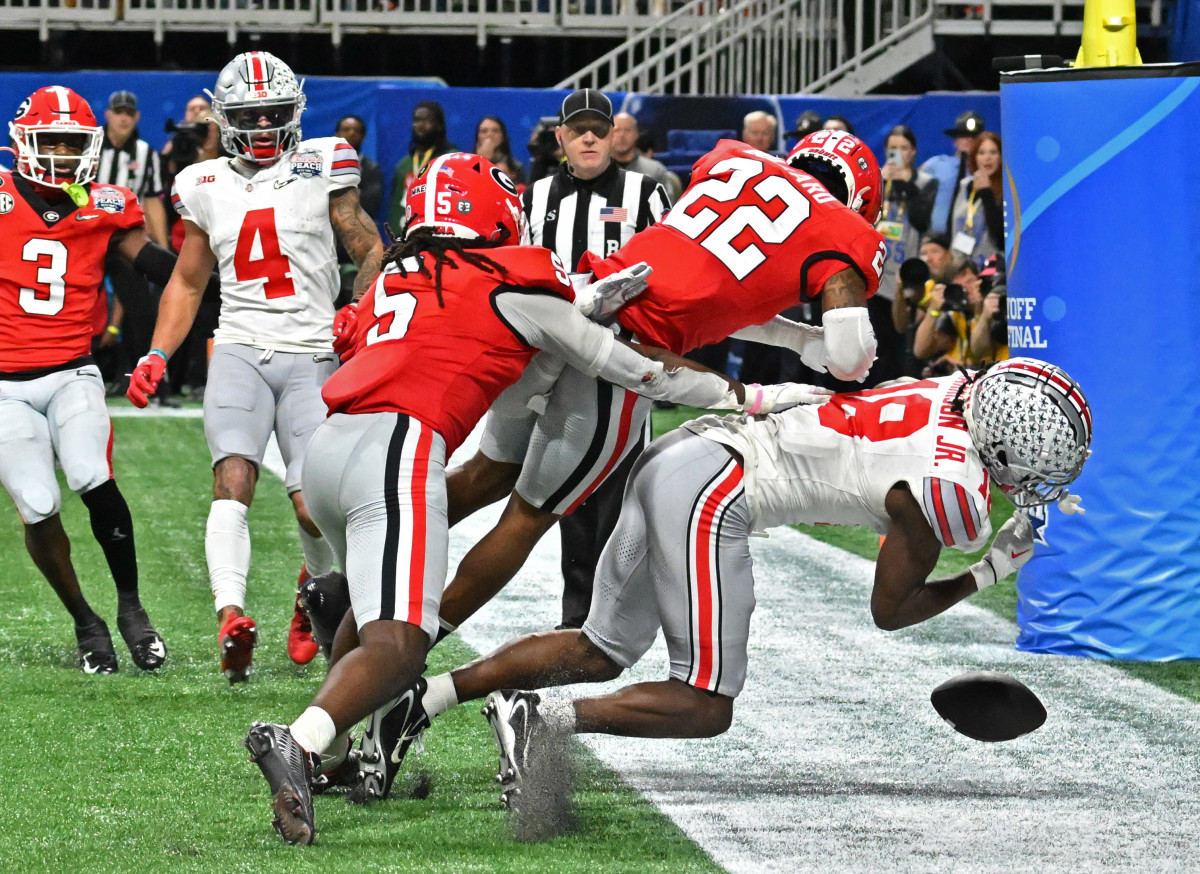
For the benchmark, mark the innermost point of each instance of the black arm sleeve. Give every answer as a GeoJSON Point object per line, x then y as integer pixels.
{"type": "Point", "coordinates": [155, 263]}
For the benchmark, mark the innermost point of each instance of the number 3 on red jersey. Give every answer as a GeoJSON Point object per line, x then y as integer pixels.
{"type": "Point", "coordinates": [271, 264]}
{"type": "Point", "coordinates": [720, 240]}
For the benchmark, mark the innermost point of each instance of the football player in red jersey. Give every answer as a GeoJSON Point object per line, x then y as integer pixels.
{"type": "Point", "coordinates": [751, 236]}
{"type": "Point", "coordinates": [452, 321]}
{"type": "Point", "coordinates": [56, 227]}
{"type": "Point", "coordinates": [912, 460]}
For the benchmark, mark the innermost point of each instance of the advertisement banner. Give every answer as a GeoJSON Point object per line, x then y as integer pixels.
{"type": "Point", "coordinates": [1102, 190]}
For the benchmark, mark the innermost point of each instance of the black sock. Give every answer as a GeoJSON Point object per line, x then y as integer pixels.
{"type": "Point", "coordinates": [112, 526]}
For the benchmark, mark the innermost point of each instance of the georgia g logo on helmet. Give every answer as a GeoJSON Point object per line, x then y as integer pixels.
{"type": "Point", "coordinates": [56, 138]}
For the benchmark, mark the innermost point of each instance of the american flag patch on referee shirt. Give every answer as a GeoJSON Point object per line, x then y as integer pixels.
{"type": "Point", "coordinates": [614, 214]}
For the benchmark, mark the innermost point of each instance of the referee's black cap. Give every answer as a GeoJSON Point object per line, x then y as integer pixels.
{"type": "Point", "coordinates": [585, 100]}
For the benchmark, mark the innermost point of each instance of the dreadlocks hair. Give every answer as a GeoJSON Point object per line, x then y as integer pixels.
{"type": "Point", "coordinates": [423, 240]}
{"type": "Point", "coordinates": [959, 402]}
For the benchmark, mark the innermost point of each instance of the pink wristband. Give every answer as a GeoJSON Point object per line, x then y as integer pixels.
{"type": "Point", "coordinates": [758, 399]}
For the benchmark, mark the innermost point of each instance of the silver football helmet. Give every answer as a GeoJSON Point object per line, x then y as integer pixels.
{"type": "Point", "coordinates": [1032, 427]}
{"type": "Point", "coordinates": [257, 87]}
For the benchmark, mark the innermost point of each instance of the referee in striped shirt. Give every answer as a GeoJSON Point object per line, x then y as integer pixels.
{"type": "Point", "coordinates": [130, 162]}
{"type": "Point", "coordinates": [589, 205]}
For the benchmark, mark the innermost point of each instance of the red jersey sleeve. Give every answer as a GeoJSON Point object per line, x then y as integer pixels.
{"type": "Point", "coordinates": [533, 267]}
{"type": "Point", "coordinates": [119, 204]}
{"type": "Point", "coordinates": [858, 245]}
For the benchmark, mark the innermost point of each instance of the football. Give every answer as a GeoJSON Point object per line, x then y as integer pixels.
{"type": "Point", "coordinates": [988, 706]}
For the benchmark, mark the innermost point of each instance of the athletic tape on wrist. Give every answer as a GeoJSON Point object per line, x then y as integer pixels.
{"type": "Point", "coordinates": [758, 398]}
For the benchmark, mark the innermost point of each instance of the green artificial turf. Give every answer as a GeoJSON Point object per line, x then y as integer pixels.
{"type": "Point", "coordinates": [145, 772]}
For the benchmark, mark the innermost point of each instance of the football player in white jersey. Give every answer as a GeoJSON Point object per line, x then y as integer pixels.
{"type": "Point", "coordinates": [266, 218]}
{"type": "Point", "coordinates": [914, 461]}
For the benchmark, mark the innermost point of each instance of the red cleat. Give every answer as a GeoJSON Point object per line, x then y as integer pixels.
{"type": "Point", "coordinates": [301, 646]}
{"type": "Point", "coordinates": [239, 636]}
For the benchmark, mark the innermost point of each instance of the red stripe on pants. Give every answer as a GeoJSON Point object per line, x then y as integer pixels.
{"type": "Point", "coordinates": [416, 561]}
{"type": "Point", "coordinates": [628, 402]}
{"type": "Point", "coordinates": [705, 553]}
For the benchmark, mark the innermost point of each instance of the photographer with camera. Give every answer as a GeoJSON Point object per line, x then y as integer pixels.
{"type": "Point", "coordinates": [943, 337]}
{"type": "Point", "coordinates": [544, 152]}
{"type": "Point", "coordinates": [989, 335]}
{"type": "Point", "coordinates": [916, 278]}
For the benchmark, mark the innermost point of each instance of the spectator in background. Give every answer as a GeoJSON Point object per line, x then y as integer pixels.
{"type": "Point", "coordinates": [949, 170]}
{"type": "Point", "coordinates": [807, 122]}
{"type": "Point", "coordinates": [353, 130]}
{"type": "Point", "coordinates": [760, 131]}
{"type": "Point", "coordinates": [907, 202]}
{"type": "Point", "coordinates": [943, 337]}
{"type": "Point", "coordinates": [491, 142]}
{"type": "Point", "coordinates": [428, 141]}
{"type": "Point", "coordinates": [977, 223]}
{"type": "Point", "coordinates": [625, 153]}
{"type": "Point", "coordinates": [989, 335]}
{"type": "Point", "coordinates": [129, 161]}
{"type": "Point", "coordinates": [837, 122]}
{"type": "Point", "coordinates": [913, 294]}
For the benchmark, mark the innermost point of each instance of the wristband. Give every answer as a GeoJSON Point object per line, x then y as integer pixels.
{"type": "Point", "coordinates": [113, 329]}
{"type": "Point", "coordinates": [984, 574]}
{"type": "Point", "coordinates": [161, 354]}
{"type": "Point", "coordinates": [934, 313]}
{"type": "Point", "coordinates": [923, 301]}
{"type": "Point", "coordinates": [757, 404]}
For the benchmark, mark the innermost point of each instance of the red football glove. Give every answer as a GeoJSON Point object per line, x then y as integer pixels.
{"type": "Point", "coordinates": [144, 380]}
{"type": "Point", "coordinates": [345, 327]}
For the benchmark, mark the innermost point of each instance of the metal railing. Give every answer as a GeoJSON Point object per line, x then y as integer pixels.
{"type": "Point", "coordinates": [702, 46]}
{"type": "Point", "coordinates": [756, 46]}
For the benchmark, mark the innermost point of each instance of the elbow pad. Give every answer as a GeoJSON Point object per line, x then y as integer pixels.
{"type": "Point", "coordinates": [849, 342]}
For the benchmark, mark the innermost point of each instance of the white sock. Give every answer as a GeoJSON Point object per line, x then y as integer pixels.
{"type": "Point", "coordinates": [318, 556]}
{"type": "Point", "coordinates": [558, 712]}
{"type": "Point", "coordinates": [440, 696]}
{"type": "Point", "coordinates": [314, 730]}
{"type": "Point", "coordinates": [335, 753]}
{"type": "Point", "coordinates": [227, 548]}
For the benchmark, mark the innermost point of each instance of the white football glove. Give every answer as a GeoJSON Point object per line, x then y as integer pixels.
{"type": "Point", "coordinates": [810, 346]}
{"type": "Point", "coordinates": [1011, 548]}
{"type": "Point", "coordinates": [762, 399]}
{"type": "Point", "coordinates": [601, 299]}
{"type": "Point", "coordinates": [1070, 504]}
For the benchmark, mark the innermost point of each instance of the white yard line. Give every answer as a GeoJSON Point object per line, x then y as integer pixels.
{"type": "Point", "coordinates": [837, 763]}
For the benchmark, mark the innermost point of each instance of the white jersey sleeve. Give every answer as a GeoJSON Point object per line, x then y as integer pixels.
{"type": "Point", "coordinates": [270, 231]}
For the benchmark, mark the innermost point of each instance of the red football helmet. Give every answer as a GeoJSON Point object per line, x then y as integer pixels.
{"type": "Point", "coordinates": [47, 119]}
{"type": "Point", "coordinates": [843, 164]}
{"type": "Point", "coordinates": [464, 195]}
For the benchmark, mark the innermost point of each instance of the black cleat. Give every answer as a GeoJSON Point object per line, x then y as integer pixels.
{"type": "Point", "coordinates": [535, 766]}
{"type": "Point", "coordinates": [288, 769]}
{"type": "Point", "coordinates": [326, 599]}
{"type": "Point", "coordinates": [96, 653]}
{"type": "Point", "coordinates": [145, 645]}
{"type": "Point", "coordinates": [391, 730]}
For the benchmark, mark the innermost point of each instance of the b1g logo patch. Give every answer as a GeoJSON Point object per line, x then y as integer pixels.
{"type": "Point", "coordinates": [6, 202]}
{"type": "Point", "coordinates": [108, 199]}
{"type": "Point", "coordinates": [307, 164]}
